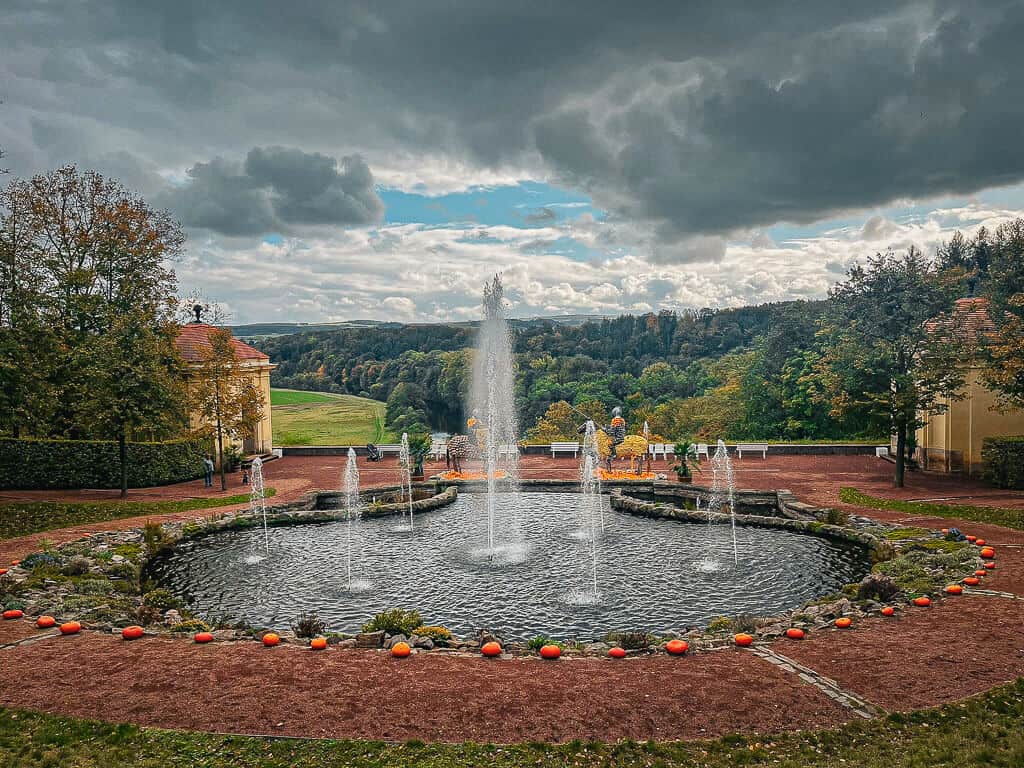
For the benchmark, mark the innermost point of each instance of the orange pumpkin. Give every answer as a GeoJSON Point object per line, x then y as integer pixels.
{"type": "Point", "coordinates": [972, 581]}
{"type": "Point", "coordinates": [203, 637]}
{"type": "Point", "coordinates": [979, 542]}
{"type": "Point", "coordinates": [70, 628]}
{"type": "Point", "coordinates": [318, 643]}
{"type": "Point", "coordinates": [400, 650]}
{"type": "Point", "coordinates": [133, 632]}
{"type": "Point", "coordinates": [954, 589]}
{"type": "Point", "coordinates": [988, 553]}
{"type": "Point", "coordinates": [922, 602]}
{"type": "Point", "coordinates": [15, 562]}
{"type": "Point", "coordinates": [14, 613]}
{"type": "Point", "coordinates": [550, 652]}
{"type": "Point", "coordinates": [491, 649]}
{"type": "Point", "coordinates": [45, 622]}
{"type": "Point", "coordinates": [271, 639]}
{"type": "Point", "coordinates": [844, 622]}
{"type": "Point", "coordinates": [888, 611]}
{"type": "Point", "coordinates": [989, 565]}
{"type": "Point", "coordinates": [945, 531]}
{"type": "Point", "coordinates": [980, 572]}
{"type": "Point", "coordinates": [972, 539]}
{"type": "Point", "coordinates": [617, 653]}
{"type": "Point", "coordinates": [795, 633]}
{"type": "Point", "coordinates": [677, 647]}
{"type": "Point", "coordinates": [743, 639]}
{"type": "Point", "coordinates": [3, 571]}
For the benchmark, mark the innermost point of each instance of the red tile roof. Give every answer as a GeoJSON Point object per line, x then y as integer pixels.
{"type": "Point", "coordinates": [194, 339]}
{"type": "Point", "coordinates": [969, 320]}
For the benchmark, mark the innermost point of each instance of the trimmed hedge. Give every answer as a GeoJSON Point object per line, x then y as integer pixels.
{"type": "Point", "coordinates": [1004, 461]}
{"type": "Point", "coordinates": [58, 464]}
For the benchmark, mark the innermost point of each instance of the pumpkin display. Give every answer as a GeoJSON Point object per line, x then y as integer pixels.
{"type": "Point", "coordinates": [271, 639]}
{"type": "Point", "coordinates": [743, 640]}
{"type": "Point", "coordinates": [400, 650]}
{"type": "Point", "coordinates": [45, 622]}
{"type": "Point", "coordinates": [14, 613]}
{"type": "Point", "coordinates": [844, 622]}
{"type": "Point", "coordinates": [888, 611]}
{"type": "Point", "coordinates": [972, 581]}
{"type": "Point", "coordinates": [203, 637]}
{"type": "Point", "coordinates": [988, 553]}
{"type": "Point", "coordinates": [972, 539]}
{"type": "Point", "coordinates": [491, 649]}
{"type": "Point", "coordinates": [3, 571]}
{"type": "Point", "coordinates": [617, 653]}
{"type": "Point", "coordinates": [70, 628]}
{"type": "Point", "coordinates": [550, 652]}
{"type": "Point", "coordinates": [980, 572]}
{"type": "Point", "coordinates": [15, 562]}
{"type": "Point", "coordinates": [318, 643]}
{"type": "Point", "coordinates": [795, 633]}
{"type": "Point", "coordinates": [989, 565]}
{"type": "Point", "coordinates": [677, 647]}
{"type": "Point", "coordinates": [954, 589]}
{"type": "Point", "coordinates": [133, 632]}
{"type": "Point", "coordinates": [979, 542]}
{"type": "Point", "coordinates": [922, 602]}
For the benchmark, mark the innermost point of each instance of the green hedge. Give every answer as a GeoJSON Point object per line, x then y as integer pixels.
{"type": "Point", "coordinates": [1004, 461]}
{"type": "Point", "coordinates": [56, 464]}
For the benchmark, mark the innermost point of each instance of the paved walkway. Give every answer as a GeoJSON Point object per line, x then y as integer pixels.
{"type": "Point", "coordinates": [930, 656]}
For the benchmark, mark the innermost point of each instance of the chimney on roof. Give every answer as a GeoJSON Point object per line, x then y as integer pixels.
{"type": "Point", "coordinates": [198, 310]}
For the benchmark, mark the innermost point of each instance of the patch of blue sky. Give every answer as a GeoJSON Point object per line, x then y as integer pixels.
{"type": "Point", "coordinates": [273, 239]}
{"type": "Point", "coordinates": [528, 204]}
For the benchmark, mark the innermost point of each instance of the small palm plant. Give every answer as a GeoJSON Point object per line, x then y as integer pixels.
{"type": "Point", "coordinates": [686, 458]}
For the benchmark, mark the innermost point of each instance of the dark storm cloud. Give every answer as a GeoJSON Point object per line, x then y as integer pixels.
{"type": "Point", "coordinates": [276, 189]}
{"type": "Point", "coordinates": [698, 118]}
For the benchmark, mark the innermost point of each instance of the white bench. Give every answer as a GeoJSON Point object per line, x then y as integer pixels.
{"type": "Point", "coordinates": [438, 449]}
{"type": "Point", "coordinates": [882, 451]}
{"type": "Point", "coordinates": [702, 450]}
{"type": "Point", "coordinates": [386, 448]}
{"type": "Point", "coordinates": [761, 448]}
{"type": "Point", "coordinates": [509, 449]}
{"type": "Point", "coordinates": [573, 448]}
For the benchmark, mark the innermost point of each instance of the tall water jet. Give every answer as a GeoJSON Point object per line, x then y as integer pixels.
{"type": "Point", "coordinates": [591, 513]}
{"type": "Point", "coordinates": [724, 489]}
{"type": "Point", "coordinates": [405, 462]}
{"type": "Point", "coordinates": [353, 510]}
{"type": "Point", "coordinates": [258, 504]}
{"type": "Point", "coordinates": [492, 400]}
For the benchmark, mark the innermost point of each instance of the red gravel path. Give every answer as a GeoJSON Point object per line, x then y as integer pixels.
{"type": "Point", "coordinates": [929, 656]}
{"type": "Point", "coordinates": [245, 688]}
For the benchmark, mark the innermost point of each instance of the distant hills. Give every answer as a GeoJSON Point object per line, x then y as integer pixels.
{"type": "Point", "coordinates": [257, 331]}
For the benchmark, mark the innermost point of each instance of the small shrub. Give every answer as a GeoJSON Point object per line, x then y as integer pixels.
{"type": "Point", "coordinates": [308, 625]}
{"type": "Point", "coordinates": [1003, 459]}
{"type": "Point", "coordinates": [154, 537]}
{"type": "Point", "coordinates": [877, 586]}
{"type": "Point", "coordinates": [719, 624]}
{"type": "Point", "coordinates": [125, 571]}
{"type": "Point", "coordinates": [836, 517]}
{"type": "Point", "coordinates": [539, 641]}
{"type": "Point", "coordinates": [93, 587]}
{"type": "Point", "coordinates": [77, 566]}
{"type": "Point", "coordinates": [162, 600]}
{"type": "Point", "coordinates": [631, 641]}
{"type": "Point", "coordinates": [145, 614]}
{"type": "Point", "coordinates": [440, 635]}
{"type": "Point", "coordinates": [396, 621]}
{"type": "Point", "coordinates": [744, 622]}
{"type": "Point", "coordinates": [191, 625]}
{"type": "Point", "coordinates": [40, 560]}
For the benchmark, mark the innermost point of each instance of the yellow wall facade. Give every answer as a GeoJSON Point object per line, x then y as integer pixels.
{"type": "Point", "coordinates": [258, 373]}
{"type": "Point", "coordinates": [951, 441]}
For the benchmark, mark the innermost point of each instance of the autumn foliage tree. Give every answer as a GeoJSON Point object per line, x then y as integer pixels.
{"type": "Point", "coordinates": [882, 360]}
{"type": "Point", "coordinates": [226, 399]}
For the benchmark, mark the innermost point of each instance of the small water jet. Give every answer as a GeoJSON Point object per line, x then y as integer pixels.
{"type": "Point", "coordinates": [353, 512]}
{"type": "Point", "coordinates": [258, 511]}
{"type": "Point", "coordinates": [590, 515]}
{"type": "Point", "coordinates": [405, 462]}
{"type": "Point", "coordinates": [492, 400]}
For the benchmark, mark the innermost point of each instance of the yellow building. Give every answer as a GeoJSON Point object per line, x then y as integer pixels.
{"type": "Point", "coordinates": [951, 441]}
{"type": "Point", "coordinates": [194, 340]}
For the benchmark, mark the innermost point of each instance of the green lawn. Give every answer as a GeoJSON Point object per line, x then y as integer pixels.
{"type": "Point", "coordinates": [321, 418]}
{"type": "Point", "coordinates": [24, 518]}
{"type": "Point", "coordinates": [983, 731]}
{"type": "Point", "coordinates": [1009, 518]}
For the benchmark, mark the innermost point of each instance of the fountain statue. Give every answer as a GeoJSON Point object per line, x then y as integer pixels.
{"type": "Point", "coordinates": [492, 400]}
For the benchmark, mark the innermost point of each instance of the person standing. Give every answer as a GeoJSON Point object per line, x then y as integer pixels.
{"type": "Point", "coordinates": [208, 468]}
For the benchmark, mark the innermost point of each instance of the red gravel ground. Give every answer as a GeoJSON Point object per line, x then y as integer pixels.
{"type": "Point", "coordinates": [11, 631]}
{"type": "Point", "coordinates": [244, 688]}
{"type": "Point", "coordinates": [929, 656]}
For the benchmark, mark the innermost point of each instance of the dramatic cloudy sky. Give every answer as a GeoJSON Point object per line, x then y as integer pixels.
{"type": "Point", "coordinates": [339, 160]}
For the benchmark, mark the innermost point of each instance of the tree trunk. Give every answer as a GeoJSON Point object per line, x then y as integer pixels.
{"type": "Point", "coordinates": [901, 451]}
{"type": "Point", "coordinates": [122, 450]}
{"type": "Point", "coordinates": [220, 457]}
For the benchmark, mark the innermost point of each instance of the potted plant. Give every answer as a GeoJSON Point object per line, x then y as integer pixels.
{"type": "Point", "coordinates": [419, 447]}
{"type": "Point", "coordinates": [686, 457]}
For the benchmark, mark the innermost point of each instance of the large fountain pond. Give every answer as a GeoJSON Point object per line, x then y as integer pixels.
{"type": "Point", "coordinates": [653, 575]}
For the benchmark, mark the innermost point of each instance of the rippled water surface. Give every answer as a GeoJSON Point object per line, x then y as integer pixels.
{"type": "Point", "coordinates": [655, 575]}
